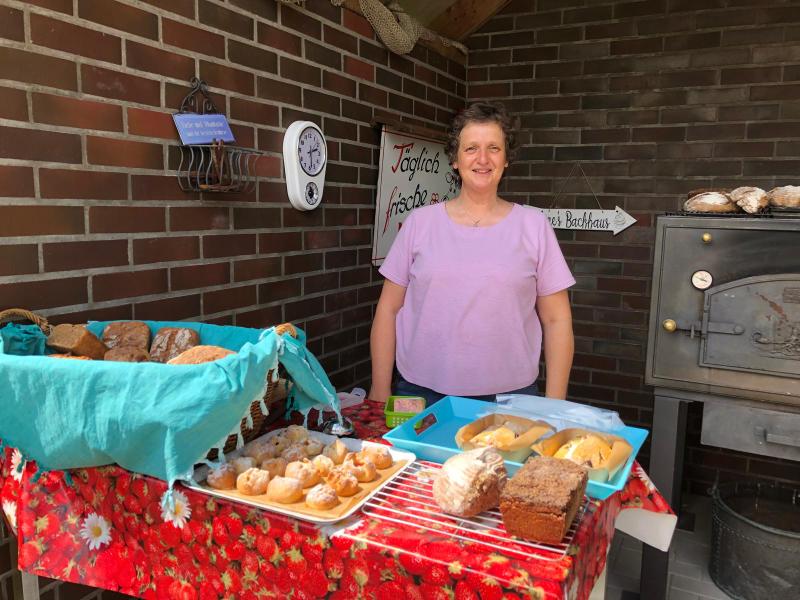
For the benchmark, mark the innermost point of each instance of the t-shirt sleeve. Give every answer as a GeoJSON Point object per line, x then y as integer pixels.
{"type": "Point", "coordinates": [553, 274]}
{"type": "Point", "coordinates": [396, 266]}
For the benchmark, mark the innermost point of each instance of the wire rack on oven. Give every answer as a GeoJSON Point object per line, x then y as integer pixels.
{"type": "Point", "coordinates": [408, 499]}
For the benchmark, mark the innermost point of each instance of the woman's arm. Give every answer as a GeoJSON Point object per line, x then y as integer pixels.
{"type": "Point", "coordinates": [382, 340]}
{"type": "Point", "coordinates": [559, 344]}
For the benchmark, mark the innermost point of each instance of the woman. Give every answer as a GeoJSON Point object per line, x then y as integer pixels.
{"type": "Point", "coordinates": [473, 285]}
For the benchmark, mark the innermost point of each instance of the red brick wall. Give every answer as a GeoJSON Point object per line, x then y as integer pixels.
{"type": "Point", "coordinates": [654, 98]}
{"type": "Point", "coordinates": [92, 221]}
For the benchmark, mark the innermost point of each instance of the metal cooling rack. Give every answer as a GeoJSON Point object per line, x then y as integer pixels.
{"type": "Point", "coordinates": [724, 215]}
{"type": "Point", "coordinates": [408, 499]}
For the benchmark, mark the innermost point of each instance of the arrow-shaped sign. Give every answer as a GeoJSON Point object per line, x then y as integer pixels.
{"type": "Point", "coordinates": [592, 219]}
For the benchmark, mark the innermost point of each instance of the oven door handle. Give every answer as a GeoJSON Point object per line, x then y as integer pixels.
{"type": "Point", "coordinates": [698, 329]}
{"type": "Point", "coordinates": [777, 438]}
{"type": "Point", "coordinates": [727, 328]}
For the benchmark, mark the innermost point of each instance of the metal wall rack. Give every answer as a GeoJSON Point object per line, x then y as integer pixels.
{"type": "Point", "coordinates": [215, 167]}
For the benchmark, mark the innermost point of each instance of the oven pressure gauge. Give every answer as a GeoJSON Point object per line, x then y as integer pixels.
{"type": "Point", "coordinates": [702, 280]}
{"type": "Point", "coordinates": [305, 157]}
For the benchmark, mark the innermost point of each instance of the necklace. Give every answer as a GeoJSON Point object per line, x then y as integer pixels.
{"type": "Point", "coordinates": [471, 217]}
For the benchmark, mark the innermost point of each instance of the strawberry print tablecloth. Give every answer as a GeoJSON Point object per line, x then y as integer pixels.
{"type": "Point", "coordinates": [105, 527]}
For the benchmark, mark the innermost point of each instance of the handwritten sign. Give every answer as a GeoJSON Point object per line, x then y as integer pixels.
{"type": "Point", "coordinates": [589, 219]}
{"type": "Point", "coordinates": [413, 172]}
{"type": "Point", "coordinates": [202, 129]}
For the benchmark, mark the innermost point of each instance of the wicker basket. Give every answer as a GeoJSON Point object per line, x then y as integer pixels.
{"type": "Point", "coordinates": [275, 396]}
{"type": "Point", "coordinates": [20, 314]}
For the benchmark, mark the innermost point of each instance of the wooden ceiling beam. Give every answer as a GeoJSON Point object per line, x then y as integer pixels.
{"type": "Point", "coordinates": [464, 17]}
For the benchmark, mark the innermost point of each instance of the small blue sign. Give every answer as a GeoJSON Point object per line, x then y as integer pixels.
{"type": "Point", "coordinates": [202, 129]}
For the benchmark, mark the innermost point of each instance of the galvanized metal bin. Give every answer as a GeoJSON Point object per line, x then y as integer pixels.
{"type": "Point", "coordinates": [755, 541]}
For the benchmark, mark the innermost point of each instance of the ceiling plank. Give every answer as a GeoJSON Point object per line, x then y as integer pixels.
{"type": "Point", "coordinates": [446, 51]}
{"type": "Point", "coordinates": [464, 17]}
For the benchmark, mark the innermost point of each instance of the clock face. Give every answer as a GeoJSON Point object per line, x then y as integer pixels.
{"type": "Point", "coordinates": [311, 151]}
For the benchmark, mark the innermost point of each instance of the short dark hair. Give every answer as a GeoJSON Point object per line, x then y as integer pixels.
{"type": "Point", "coordinates": [482, 112]}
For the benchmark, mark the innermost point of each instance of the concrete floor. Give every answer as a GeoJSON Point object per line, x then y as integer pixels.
{"type": "Point", "coordinates": [688, 568]}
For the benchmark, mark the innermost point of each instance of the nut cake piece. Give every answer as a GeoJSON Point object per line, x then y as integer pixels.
{"type": "Point", "coordinates": [542, 498]}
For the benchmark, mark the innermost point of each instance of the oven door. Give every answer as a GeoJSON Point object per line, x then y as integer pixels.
{"type": "Point", "coordinates": [753, 325]}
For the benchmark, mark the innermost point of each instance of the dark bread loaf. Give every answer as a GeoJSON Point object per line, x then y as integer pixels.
{"type": "Point", "coordinates": [127, 354]}
{"type": "Point", "coordinates": [127, 333]}
{"type": "Point", "coordinates": [169, 342]}
{"type": "Point", "coordinates": [542, 498]}
{"type": "Point", "coordinates": [200, 354]}
{"type": "Point", "coordinates": [76, 339]}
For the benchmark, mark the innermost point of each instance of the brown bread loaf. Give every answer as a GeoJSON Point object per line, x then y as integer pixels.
{"type": "Point", "coordinates": [76, 339]}
{"type": "Point", "coordinates": [127, 354]}
{"type": "Point", "coordinates": [200, 354]}
{"type": "Point", "coordinates": [169, 342]}
{"type": "Point", "coordinates": [542, 498]}
{"type": "Point", "coordinates": [127, 333]}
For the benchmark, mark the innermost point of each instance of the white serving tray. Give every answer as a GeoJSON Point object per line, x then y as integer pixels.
{"type": "Point", "coordinates": [293, 510]}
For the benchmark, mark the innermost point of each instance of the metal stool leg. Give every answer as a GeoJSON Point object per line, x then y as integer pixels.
{"type": "Point", "coordinates": [666, 470]}
{"type": "Point", "coordinates": [30, 586]}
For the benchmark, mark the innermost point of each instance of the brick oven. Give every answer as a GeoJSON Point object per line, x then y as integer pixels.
{"type": "Point", "coordinates": [725, 331]}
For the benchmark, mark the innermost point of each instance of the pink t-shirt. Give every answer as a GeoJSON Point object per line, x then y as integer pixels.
{"type": "Point", "coordinates": [468, 325]}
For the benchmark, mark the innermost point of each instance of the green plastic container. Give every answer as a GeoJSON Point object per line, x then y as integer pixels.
{"type": "Point", "coordinates": [393, 419]}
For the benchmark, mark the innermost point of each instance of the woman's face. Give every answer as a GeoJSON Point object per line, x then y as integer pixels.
{"type": "Point", "coordinates": [481, 156]}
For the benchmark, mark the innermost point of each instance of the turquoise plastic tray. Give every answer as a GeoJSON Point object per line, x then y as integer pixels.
{"type": "Point", "coordinates": [437, 442]}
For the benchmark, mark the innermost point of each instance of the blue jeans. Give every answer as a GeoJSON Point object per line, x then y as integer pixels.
{"type": "Point", "coordinates": [403, 387]}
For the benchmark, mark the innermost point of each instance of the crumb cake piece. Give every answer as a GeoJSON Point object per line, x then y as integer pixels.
{"type": "Point", "coordinates": [541, 500]}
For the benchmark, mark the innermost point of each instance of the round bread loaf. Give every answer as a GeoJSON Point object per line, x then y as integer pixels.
{"type": "Point", "coordinates": [127, 354]}
{"type": "Point", "coordinates": [169, 342]}
{"type": "Point", "coordinates": [470, 482]}
{"type": "Point", "coordinates": [200, 354]}
{"type": "Point", "coordinates": [127, 333]}
{"type": "Point", "coordinates": [750, 199]}
{"type": "Point", "coordinates": [787, 196]}
{"type": "Point", "coordinates": [713, 202]}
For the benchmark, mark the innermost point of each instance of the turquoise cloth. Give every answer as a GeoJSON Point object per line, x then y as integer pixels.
{"type": "Point", "coordinates": [150, 418]}
{"type": "Point", "coordinates": [23, 340]}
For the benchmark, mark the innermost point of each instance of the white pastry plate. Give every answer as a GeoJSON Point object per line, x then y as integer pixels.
{"type": "Point", "coordinates": [402, 461]}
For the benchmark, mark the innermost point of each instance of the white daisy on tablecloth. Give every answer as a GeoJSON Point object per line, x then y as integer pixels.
{"type": "Point", "coordinates": [11, 513]}
{"type": "Point", "coordinates": [16, 461]}
{"type": "Point", "coordinates": [179, 512]}
{"type": "Point", "coordinates": [95, 531]}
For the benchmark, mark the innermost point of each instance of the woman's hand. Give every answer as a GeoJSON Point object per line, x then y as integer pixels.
{"type": "Point", "coordinates": [382, 340]}
{"type": "Point", "coordinates": [559, 343]}
{"type": "Point", "coordinates": [377, 395]}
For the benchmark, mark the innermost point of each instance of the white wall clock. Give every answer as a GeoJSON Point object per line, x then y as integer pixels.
{"type": "Point", "coordinates": [305, 157]}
